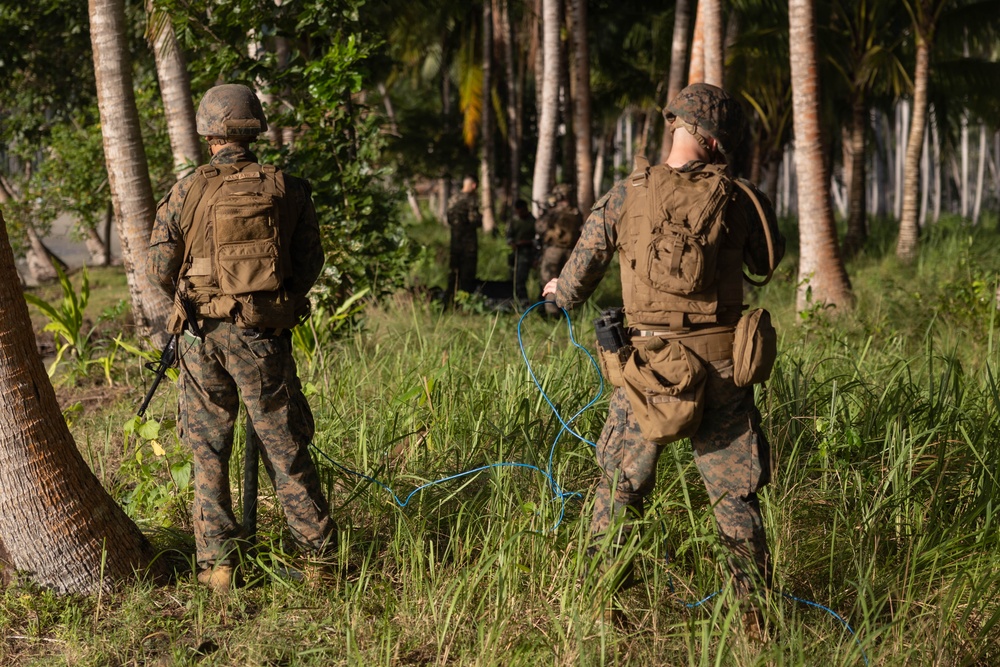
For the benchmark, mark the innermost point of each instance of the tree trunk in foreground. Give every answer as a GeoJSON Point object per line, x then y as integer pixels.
{"type": "Point", "coordinates": [57, 523]}
{"type": "Point", "coordinates": [128, 172]}
{"type": "Point", "coordinates": [822, 276]}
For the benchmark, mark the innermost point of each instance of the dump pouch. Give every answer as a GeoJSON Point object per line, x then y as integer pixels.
{"type": "Point", "coordinates": [755, 348]}
{"type": "Point", "coordinates": [665, 385]}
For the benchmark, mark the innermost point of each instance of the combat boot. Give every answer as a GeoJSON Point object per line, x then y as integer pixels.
{"type": "Point", "coordinates": [220, 578]}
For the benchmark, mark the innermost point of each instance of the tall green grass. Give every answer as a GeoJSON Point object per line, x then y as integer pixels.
{"type": "Point", "coordinates": [884, 429]}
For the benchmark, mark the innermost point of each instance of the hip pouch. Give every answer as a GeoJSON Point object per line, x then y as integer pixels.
{"type": "Point", "coordinates": [665, 384]}
{"type": "Point", "coordinates": [755, 348]}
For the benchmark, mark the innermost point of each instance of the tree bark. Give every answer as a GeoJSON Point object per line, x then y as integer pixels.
{"type": "Point", "coordinates": [696, 71]}
{"type": "Point", "coordinates": [977, 202]}
{"type": "Point", "coordinates": [581, 106]}
{"type": "Point", "coordinates": [857, 208]}
{"type": "Point", "coordinates": [486, 154]}
{"type": "Point", "coordinates": [175, 90]}
{"type": "Point", "coordinates": [822, 276]}
{"type": "Point", "coordinates": [712, 35]}
{"type": "Point", "coordinates": [513, 107]}
{"type": "Point", "coordinates": [57, 524]}
{"type": "Point", "coordinates": [544, 173]}
{"type": "Point", "coordinates": [678, 65]}
{"type": "Point", "coordinates": [128, 172]}
{"type": "Point", "coordinates": [909, 231]}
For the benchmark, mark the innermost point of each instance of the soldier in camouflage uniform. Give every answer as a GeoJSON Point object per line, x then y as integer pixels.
{"type": "Point", "coordinates": [227, 350]}
{"type": "Point", "coordinates": [464, 220]}
{"type": "Point", "coordinates": [557, 230]}
{"type": "Point", "coordinates": [521, 239]}
{"type": "Point", "coordinates": [730, 449]}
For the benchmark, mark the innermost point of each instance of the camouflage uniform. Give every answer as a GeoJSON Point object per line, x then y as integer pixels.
{"type": "Point", "coordinates": [256, 365]}
{"type": "Point", "coordinates": [730, 450]}
{"type": "Point", "coordinates": [558, 230]}
{"type": "Point", "coordinates": [521, 239]}
{"type": "Point", "coordinates": [464, 220]}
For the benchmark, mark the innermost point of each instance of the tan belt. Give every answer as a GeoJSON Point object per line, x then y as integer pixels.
{"type": "Point", "coordinates": [715, 344]}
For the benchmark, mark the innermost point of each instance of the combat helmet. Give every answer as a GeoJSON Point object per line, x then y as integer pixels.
{"type": "Point", "coordinates": [232, 111]}
{"type": "Point", "coordinates": [709, 110]}
{"type": "Point", "coordinates": [560, 192]}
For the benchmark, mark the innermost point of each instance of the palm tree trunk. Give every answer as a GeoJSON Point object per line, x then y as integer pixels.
{"type": "Point", "coordinates": [128, 172]}
{"type": "Point", "coordinates": [678, 65]}
{"type": "Point", "coordinates": [822, 276]}
{"type": "Point", "coordinates": [175, 89]}
{"type": "Point", "coordinates": [857, 227]}
{"type": "Point", "coordinates": [545, 156]}
{"type": "Point", "coordinates": [486, 154]}
{"type": "Point", "coordinates": [57, 524]}
{"type": "Point", "coordinates": [906, 245]}
{"type": "Point", "coordinates": [980, 175]}
{"type": "Point", "coordinates": [696, 72]}
{"type": "Point", "coordinates": [712, 27]}
{"type": "Point", "coordinates": [581, 105]}
{"type": "Point", "coordinates": [513, 106]}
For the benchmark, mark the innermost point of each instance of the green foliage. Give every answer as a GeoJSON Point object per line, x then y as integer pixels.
{"type": "Point", "coordinates": [156, 473]}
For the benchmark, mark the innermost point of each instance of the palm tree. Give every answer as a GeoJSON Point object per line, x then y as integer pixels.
{"type": "Point", "coordinates": [128, 171]}
{"type": "Point", "coordinates": [175, 89]}
{"type": "Point", "coordinates": [552, 57]}
{"type": "Point", "coordinates": [822, 276]}
{"type": "Point", "coordinates": [581, 104]}
{"type": "Point", "coordinates": [486, 154]}
{"type": "Point", "coordinates": [57, 524]}
{"type": "Point", "coordinates": [711, 12]}
{"type": "Point", "coordinates": [869, 34]}
{"type": "Point", "coordinates": [678, 65]}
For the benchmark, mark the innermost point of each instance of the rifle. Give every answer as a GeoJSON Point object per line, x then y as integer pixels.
{"type": "Point", "coordinates": [168, 355]}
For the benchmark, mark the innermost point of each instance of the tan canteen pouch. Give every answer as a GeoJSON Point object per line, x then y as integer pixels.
{"type": "Point", "coordinates": [665, 385]}
{"type": "Point", "coordinates": [755, 348]}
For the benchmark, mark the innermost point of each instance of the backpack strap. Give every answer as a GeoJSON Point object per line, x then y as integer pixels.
{"type": "Point", "coordinates": [767, 235]}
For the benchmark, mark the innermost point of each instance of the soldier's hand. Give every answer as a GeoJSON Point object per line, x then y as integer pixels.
{"type": "Point", "coordinates": [550, 287]}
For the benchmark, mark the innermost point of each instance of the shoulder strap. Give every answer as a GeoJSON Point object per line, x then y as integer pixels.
{"type": "Point", "coordinates": [767, 235]}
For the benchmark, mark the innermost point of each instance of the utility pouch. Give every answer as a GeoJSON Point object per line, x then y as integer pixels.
{"type": "Point", "coordinates": [613, 346]}
{"type": "Point", "coordinates": [755, 348]}
{"type": "Point", "coordinates": [665, 385]}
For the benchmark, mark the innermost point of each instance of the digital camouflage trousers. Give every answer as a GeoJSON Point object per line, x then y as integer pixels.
{"type": "Point", "coordinates": [731, 453]}
{"type": "Point", "coordinates": [228, 364]}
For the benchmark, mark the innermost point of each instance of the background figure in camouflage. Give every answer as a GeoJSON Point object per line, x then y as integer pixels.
{"type": "Point", "coordinates": [730, 450]}
{"type": "Point", "coordinates": [521, 239]}
{"type": "Point", "coordinates": [558, 230]}
{"type": "Point", "coordinates": [228, 362]}
{"type": "Point", "coordinates": [464, 220]}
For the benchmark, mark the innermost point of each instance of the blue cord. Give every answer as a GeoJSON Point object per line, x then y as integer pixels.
{"type": "Point", "coordinates": [559, 494]}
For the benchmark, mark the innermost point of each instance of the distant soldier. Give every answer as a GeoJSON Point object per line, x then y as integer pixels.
{"type": "Point", "coordinates": [558, 230]}
{"type": "Point", "coordinates": [521, 239]}
{"type": "Point", "coordinates": [464, 220]}
{"type": "Point", "coordinates": [236, 245]}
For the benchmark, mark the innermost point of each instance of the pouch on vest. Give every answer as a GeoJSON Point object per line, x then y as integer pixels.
{"type": "Point", "coordinates": [665, 385]}
{"type": "Point", "coordinates": [755, 348]}
{"type": "Point", "coordinates": [246, 242]}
